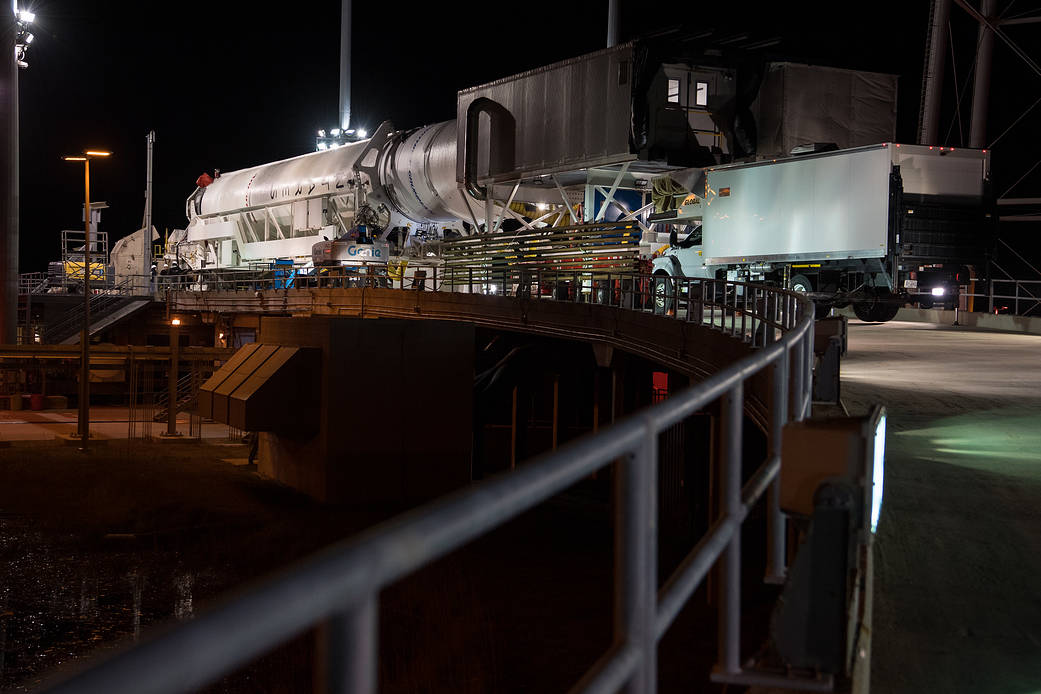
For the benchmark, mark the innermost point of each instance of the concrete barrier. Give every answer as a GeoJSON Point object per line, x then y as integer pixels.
{"type": "Point", "coordinates": [969, 319]}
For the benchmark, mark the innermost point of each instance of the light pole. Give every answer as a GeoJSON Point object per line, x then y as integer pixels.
{"type": "Point", "coordinates": [84, 414]}
{"type": "Point", "coordinates": [171, 381]}
{"type": "Point", "coordinates": [14, 28]}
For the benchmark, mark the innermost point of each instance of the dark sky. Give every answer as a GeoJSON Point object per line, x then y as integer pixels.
{"type": "Point", "coordinates": [233, 84]}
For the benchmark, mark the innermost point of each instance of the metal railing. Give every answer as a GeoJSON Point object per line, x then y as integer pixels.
{"type": "Point", "coordinates": [341, 585]}
{"type": "Point", "coordinates": [32, 282]}
{"type": "Point", "coordinates": [1013, 291]}
{"type": "Point", "coordinates": [187, 392]}
{"type": "Point", "coordinates": [748, 311]}
{"type": "Point", "coordinates": [102, 301]}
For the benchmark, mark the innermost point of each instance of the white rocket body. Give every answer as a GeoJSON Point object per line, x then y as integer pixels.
{"type": "Point", "coordinates": [281, 209]}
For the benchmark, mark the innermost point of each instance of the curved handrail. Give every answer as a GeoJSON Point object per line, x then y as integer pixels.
{"type": "Point", "coordinates": [342, 583]}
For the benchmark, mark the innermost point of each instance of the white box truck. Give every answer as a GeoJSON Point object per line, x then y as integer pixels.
{"type": "Point", "coordinates": [875, 227]}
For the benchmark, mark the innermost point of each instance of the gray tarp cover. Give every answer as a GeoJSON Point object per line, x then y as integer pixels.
{"type": "Point", "coordinates": [807, 103]}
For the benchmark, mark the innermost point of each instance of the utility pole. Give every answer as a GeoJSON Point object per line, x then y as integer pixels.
{"type": "Point", "coordinates": [171, 379]}
{"type": "Point", "coordinates": [146, 242]}
{"type": "Point", "coordinates": [8, 180]}
{"type": "Point", "coordinates": [84, 411]}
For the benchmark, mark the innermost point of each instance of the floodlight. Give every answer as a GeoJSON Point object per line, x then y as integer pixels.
{"type": "Point", "coordinates": [175, 321]}
{"type": "Point", "coordinates": [362, 134]}
{"type": "Point", "coordinates": [938, 291]}
{"type": "Point", "coordinates": [26, 16]}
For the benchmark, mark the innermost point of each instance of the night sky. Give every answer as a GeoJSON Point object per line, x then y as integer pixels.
{"type": "Point", "coordinates": [234, 84]}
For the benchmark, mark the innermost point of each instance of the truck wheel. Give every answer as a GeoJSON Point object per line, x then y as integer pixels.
{"type": "Point", "coordinates": [801, 284]}
{"type": "Point", "coordinates": [883, 312]}
{"type": "Point", "coordinates": [864, 311]}
{"type": "Point", "coordinates": [875, 311]}
{"type": "Point", "coordinates": [662, 297]}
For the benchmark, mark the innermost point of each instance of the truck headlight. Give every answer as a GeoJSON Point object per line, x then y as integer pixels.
{"type": "Point", "coordinates": [938, 291]}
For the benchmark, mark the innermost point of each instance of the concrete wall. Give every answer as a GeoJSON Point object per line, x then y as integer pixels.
{"type": "Point", "coordinates": [396, 409]}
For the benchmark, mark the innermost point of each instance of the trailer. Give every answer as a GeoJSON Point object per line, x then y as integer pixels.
{"type": "Point", "coordinates": [874, 227]}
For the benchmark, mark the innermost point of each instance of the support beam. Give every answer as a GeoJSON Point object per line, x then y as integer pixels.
{"type": "Point", "coordinates": [932, 79]}
{"type": "Point", "coordinates": [501, 217]}
{"type": "Point", "coordinates": [1019, 20]}
{"type": "Point", "coordinates": [537, 220]}
{"type": "Point", "coordinates": [614, 189]}
{"type": "Point", "coordinates": [981, 83]}
{"type": "Point", "coordinates": [613, 21]}
{"type": "Point", "coordinates": [563, 196]}
{"type": "Point", "coordinates": [984, 21]}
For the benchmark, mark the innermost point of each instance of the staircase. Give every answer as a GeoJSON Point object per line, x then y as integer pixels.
{"type": "Point", "coordinates": [106, 309]}
{"type": "Point", "coordinates": [186, 398]}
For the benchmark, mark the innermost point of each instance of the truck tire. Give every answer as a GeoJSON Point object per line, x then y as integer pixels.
{"type": "Point", "coordinates": [863, 311]}
{"type": "Point", "coordinates": [875, 311]}
{"type": "Point", "coordinates": [885, 311]}
{"type": "Point", "coordinates": [801, 284]}
{"type": "Point", "coordinates": [661, 298]}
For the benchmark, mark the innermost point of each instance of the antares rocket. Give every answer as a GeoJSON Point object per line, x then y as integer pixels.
{"type": "Point", "coordinates": [394, 180]}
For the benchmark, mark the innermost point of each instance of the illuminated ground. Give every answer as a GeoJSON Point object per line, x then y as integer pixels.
{"type": "Point", "coordinates": [958, 572]}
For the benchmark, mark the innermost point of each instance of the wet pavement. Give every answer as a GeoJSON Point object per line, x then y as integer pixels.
{"type": "Point", "coordinates": [96, 548]}
{"type": "Point", "coordinates": [958, 556]}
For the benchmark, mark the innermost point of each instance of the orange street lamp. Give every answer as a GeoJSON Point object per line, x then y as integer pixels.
{"type": "Point", "coordinates": [84, 414]}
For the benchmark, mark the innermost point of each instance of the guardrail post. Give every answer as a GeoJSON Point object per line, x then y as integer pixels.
{"type": "Point", "coordinates": [744, 312]}
{"type": "Point", "coordinates": [775, 526]}
{"type": "Point", "coordinates": [636, 560]}
{"type": "Point", "coordinates": [806, 397]}
{"type": "Point", "coordinates": [349, 650]}
{"type": "Point", "coordinates": [730, 605]}
{"type": "Point", "coordinates": [795, 392]}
